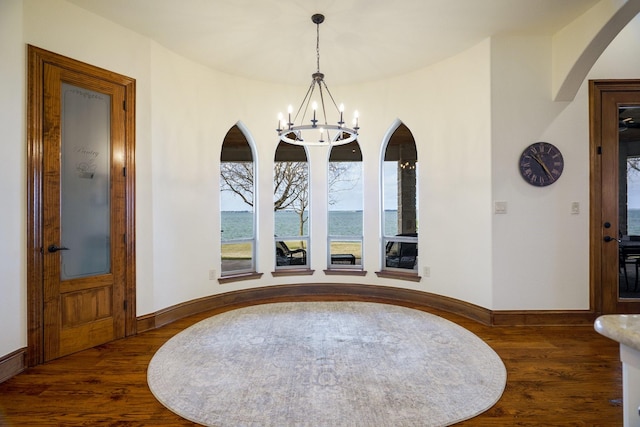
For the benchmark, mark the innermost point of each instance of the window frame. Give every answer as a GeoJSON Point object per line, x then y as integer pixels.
{"type": "Point", "coordinates": [401, 237]}
{"type": "Point", "coordinates": [355, 157]}
{"type": "Point", "coordinates": [294, 151]}
{"type": "Point", "coordinates": [224, 274]}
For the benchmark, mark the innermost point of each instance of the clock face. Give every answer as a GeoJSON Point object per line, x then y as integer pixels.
{"type": "Point", "coordinates": [541, 164]}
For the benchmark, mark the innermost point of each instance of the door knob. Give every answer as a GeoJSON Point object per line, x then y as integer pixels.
{"type": "Point", "coordinates": [608, 238]}
{"type": "Point", "coordinates": [54, 248]}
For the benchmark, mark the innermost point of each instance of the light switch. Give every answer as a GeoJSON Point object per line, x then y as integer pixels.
{"type": "Point", "coordinates": [500, 207]}
{"type": "Point", "coordinates": [575, 208]}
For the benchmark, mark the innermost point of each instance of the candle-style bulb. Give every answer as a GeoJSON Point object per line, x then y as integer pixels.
{"type": "Point", "coordinates": [314, 107]}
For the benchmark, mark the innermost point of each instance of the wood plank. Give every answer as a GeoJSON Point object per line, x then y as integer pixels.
{"type": "Point", "coordinates": [556, 375]}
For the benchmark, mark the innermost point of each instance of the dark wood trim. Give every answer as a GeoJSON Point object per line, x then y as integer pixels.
{"type": "Point", "coordinates": [344, 272]}
{"type": "Point", "coordinates": [239, 277]}
{"type": "Point", "coordinates": [37, 58]}
{"type": "Point", "coordinates": [595, 197]}
{"type": "Point", "coordinates": [604, 98]}
{"type": "Point", "coordinates": [369, 293]}
{"type": "Point", "coordinates": [542, 317]}
{"type": "Point", "coordinates": [35, 295]}
{"type": "Point", "coordinates": [314, 292]}
{"type": "Point", "coordinates": [397, 275]}
{"type": "Point", "coordinates": [12, 364]}
{"type": "Point", "coordinates": [293, 272]}
{"type": "Point", "coordinates": [146, 322]}
{"type": "Point", "coordinates": [130, 207]}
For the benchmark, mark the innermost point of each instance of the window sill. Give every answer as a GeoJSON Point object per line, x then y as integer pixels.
{"type": "Point", "coordinates": [293, 272]}
{"type": "Point", "coordinates": [344, 272]}
{"type": "Point", "coordinates": [239, 277]}
{"type": "Point", "coordinates": [398, 275]}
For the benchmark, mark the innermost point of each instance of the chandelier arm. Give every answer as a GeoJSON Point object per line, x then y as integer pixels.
{"type": "Point", "coordinates": [324, 111]}
{"type": "Point", "coordinates": [331, 96]}
{"type": "Point", "coordinates": [305, 103]}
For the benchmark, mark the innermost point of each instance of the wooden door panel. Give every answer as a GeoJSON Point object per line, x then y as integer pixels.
{"type": "Point", "coordinates": [68, 315]}
{"type": "Point", "coordinates": [73, 339]}
{"type": "Point", "coordinates": [84, 311]}
{"type": "Point", "coordinates": [86, 306]}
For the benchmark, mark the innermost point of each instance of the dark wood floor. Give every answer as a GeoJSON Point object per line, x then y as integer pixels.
{"type": "Point", "coordinates": [557, 376]}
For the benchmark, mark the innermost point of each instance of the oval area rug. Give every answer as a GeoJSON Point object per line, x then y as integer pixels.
{"type": "Point", "coordinates": [326, 364]}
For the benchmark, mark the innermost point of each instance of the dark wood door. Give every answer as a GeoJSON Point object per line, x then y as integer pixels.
{"type": "Point", "coordinates": [81, 234]}
{"type": "Point", "coordinates": [615, 196]}
{"type": "Point", "coordinates": [83, 211]}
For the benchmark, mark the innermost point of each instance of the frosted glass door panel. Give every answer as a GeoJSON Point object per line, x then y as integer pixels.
{"type": "Point", "coordinates": [85, 183]}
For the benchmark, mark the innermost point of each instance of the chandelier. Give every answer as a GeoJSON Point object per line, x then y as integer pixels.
{"type": "Point", "coordinates": [319, 131]}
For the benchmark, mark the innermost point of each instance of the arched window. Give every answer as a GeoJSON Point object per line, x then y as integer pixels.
{"type": "Point", "coordinates": [345, 207]}
{"type": "Point", "coordinates": [237, 197]}
{"type": "Point", "coordinates": [400, 202]}
{"type": "Point", "coordinates": [291, 207]}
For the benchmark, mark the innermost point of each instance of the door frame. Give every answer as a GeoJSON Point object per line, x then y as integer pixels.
{"type": "Point", "coordinates": [37, 57]}
{"type": "Point", "coordinates": [604, 299]}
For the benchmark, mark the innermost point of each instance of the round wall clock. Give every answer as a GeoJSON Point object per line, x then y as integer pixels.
{"type": "Point", "coordinates": [541, 164]}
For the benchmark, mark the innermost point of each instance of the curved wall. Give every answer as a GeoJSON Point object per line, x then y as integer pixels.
{"type": "Point", "coordinates": [470, 115]}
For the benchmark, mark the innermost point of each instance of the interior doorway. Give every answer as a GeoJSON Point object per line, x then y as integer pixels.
{"type": "Point", "coordinates": [615, 195]}
{"type": "Point", "coordinates": [81, 235]}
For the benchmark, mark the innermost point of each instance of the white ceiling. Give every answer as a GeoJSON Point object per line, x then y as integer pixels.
{"type": "Point", "coordinates": [360, 40]}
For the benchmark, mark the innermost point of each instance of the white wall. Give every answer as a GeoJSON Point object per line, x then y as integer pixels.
{"type": "Point", "coordinates": [13, 292]}
{"type": "Point", "coordinates": [471, 116]}
{"type": "Point", "coordinates": [540, 250]}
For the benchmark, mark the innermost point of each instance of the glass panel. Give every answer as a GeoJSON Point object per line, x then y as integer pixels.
{"type": "Point", "coordinates": [345, 198]}
{"type": "Point", "coordinates": [291, 206]}
{"type": "Point", "coordinates": [292, 252]}
{"type": "Point", "coordinates": [85, 182]}
{"type": "Point", "coordinates": [345, 223]}
{"type": "Point", "coordinates": [237, 219]}
{"type": "Point", "coordinates": [291, 223]}
{"type": "Point", "coordinates": [345, 253]}
{"type": "Point", "coordinates": [402, 252]}
{"type": "Point", "coordinates": [390, 170]}
{"type": "Point", "coordinates": [236, 224]}
{"type": "Point", "coordinates": [629, 201]}
{"type": "Point", "coordinates": [400, 201]}
{"type": "Point", "coordinates": [237, 256]}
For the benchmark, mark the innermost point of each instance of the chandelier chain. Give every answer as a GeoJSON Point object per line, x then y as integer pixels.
{"type": "Point", "coordinates": [318, 45]}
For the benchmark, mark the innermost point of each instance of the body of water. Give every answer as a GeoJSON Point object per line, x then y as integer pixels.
{"type": "Point", "coordinates": [239, 225]}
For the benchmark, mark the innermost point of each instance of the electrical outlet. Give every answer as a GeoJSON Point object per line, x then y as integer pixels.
{"type": "Point", "coordinates": [212, 275]}
{"type": "Point", "coordinates": [575, 208]}
{"type": "Point", "coordinates": [427, 271]}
